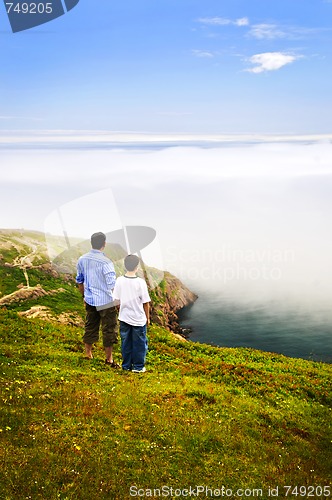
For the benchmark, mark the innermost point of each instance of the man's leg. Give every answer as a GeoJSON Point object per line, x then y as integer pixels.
{"type": "Point", "coordinates": [110, 331]}
{"type": "Point", "coordinates": [91, 333]}
{"type": "Point", "coordinates": [109, 354]}
{"type": "Point", "coordinates": [88, 351]}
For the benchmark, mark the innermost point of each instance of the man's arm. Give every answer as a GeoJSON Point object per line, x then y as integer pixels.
{"type": "Point", "coordinates": [110, 276]}
{"type": "Point", "coordinates": [146, 307]}
{"type": "Point", "coordinates": [81, 288]}
{"type": "Point", "coordinates": [80, 278]}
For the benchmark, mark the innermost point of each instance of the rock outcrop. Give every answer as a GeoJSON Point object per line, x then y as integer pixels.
{"type": "Point", "coordinates": [25, 293]}
{"type": "Point", "coordinates": [167, 299]}
{"type": "Point", "coordinates": [45, 313]}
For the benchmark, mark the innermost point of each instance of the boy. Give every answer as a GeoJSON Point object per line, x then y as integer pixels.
{"type": "Point", "coordinates": [132, 293]}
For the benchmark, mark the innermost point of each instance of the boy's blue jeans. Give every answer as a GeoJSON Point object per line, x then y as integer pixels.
{"type": "Point", "coordinates": [134, 346]}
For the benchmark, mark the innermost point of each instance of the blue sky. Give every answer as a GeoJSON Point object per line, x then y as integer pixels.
{"type": "Point", "coordinates": [172, 66]}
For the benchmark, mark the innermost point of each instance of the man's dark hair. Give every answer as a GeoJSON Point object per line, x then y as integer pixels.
{"type": "Point", "coordinates": [131, 262]}
{"type": "Point", "coordinates": [98, 240]}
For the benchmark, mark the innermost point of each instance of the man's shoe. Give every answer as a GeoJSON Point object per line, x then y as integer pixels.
{"type": "Point", "coordinates": [112, 364]}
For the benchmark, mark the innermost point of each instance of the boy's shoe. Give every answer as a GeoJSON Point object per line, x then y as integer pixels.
{"type": "Point", "coordinates": [143, 370]}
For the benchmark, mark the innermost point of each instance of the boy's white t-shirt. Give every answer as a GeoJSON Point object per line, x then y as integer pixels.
{"type": "Point", "coordinates": [132, 294]}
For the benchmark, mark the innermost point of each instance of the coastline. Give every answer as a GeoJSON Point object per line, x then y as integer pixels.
{"type": "Point", "coordinates": [291, 333]}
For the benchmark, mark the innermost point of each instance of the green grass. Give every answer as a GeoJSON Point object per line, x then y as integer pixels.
{"type": "Point", "coordinates": [74, 429]}
{"type": "Point", "coordinates": [67, 301]}
{"type": "Point", "coordinates": [10, 277]}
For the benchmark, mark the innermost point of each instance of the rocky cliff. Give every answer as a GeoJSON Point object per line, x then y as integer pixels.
{"type": "Point", "coordinates": [167, 299]}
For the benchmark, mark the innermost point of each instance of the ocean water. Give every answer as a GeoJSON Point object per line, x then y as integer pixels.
{"type": "Point", "coordinates": [273, 326]}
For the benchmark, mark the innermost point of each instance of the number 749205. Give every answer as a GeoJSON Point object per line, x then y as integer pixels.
{"type": "Point", "coordinates": [29, 8]}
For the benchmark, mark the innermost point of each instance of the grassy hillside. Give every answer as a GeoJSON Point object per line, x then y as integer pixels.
{"type": "Point", "coordinates": [75, 429]}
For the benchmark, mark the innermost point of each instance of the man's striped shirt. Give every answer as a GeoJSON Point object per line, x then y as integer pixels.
{"type": "Point", "coordinates": [97, 273]}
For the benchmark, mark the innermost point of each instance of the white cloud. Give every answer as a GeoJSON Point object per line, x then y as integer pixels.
{"type": "Point", "coordinates": [243, 21]}
{"type": "Point", "coordinates": [274, 156]}
{"type": "Point", "coordinates": [202, 53]}
{"type": "Point", "coordinates": [214, 21]}
{"type": "Point", "coordinates": [251, 197]}
{"type": "Point", "coordinates": [222, 21]}
{"type": "Point", "coordinates": [269, 31]}
{"type": "Point", "coordinates": [273, 31]}
{"type": "Point", "coordinates": [270, 61]}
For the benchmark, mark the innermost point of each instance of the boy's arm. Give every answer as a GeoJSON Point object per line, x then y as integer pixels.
{"type": "Point", "coordinates": [116, 295]}
{"type": "Point", "coordinates": [146, 307]}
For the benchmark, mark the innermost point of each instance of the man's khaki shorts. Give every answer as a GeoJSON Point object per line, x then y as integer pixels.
{"type": "Point", "coordinates": [107, 319]}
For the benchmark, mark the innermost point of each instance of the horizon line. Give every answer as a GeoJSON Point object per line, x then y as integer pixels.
{"type": "Point", "coordinates": [93, 136]}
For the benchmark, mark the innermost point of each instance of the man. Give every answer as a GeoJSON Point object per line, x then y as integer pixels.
{"type": "Point", "coordinates": [96, 280]}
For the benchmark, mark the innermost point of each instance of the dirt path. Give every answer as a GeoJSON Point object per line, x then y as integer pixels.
{"type": "Point", "coordinates": [25, 261]}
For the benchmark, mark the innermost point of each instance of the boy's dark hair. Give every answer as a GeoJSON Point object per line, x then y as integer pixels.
{"type": "Point", "coordinates": [98, 240]}
{"type": "Point", "coordinates": [131, 262]}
